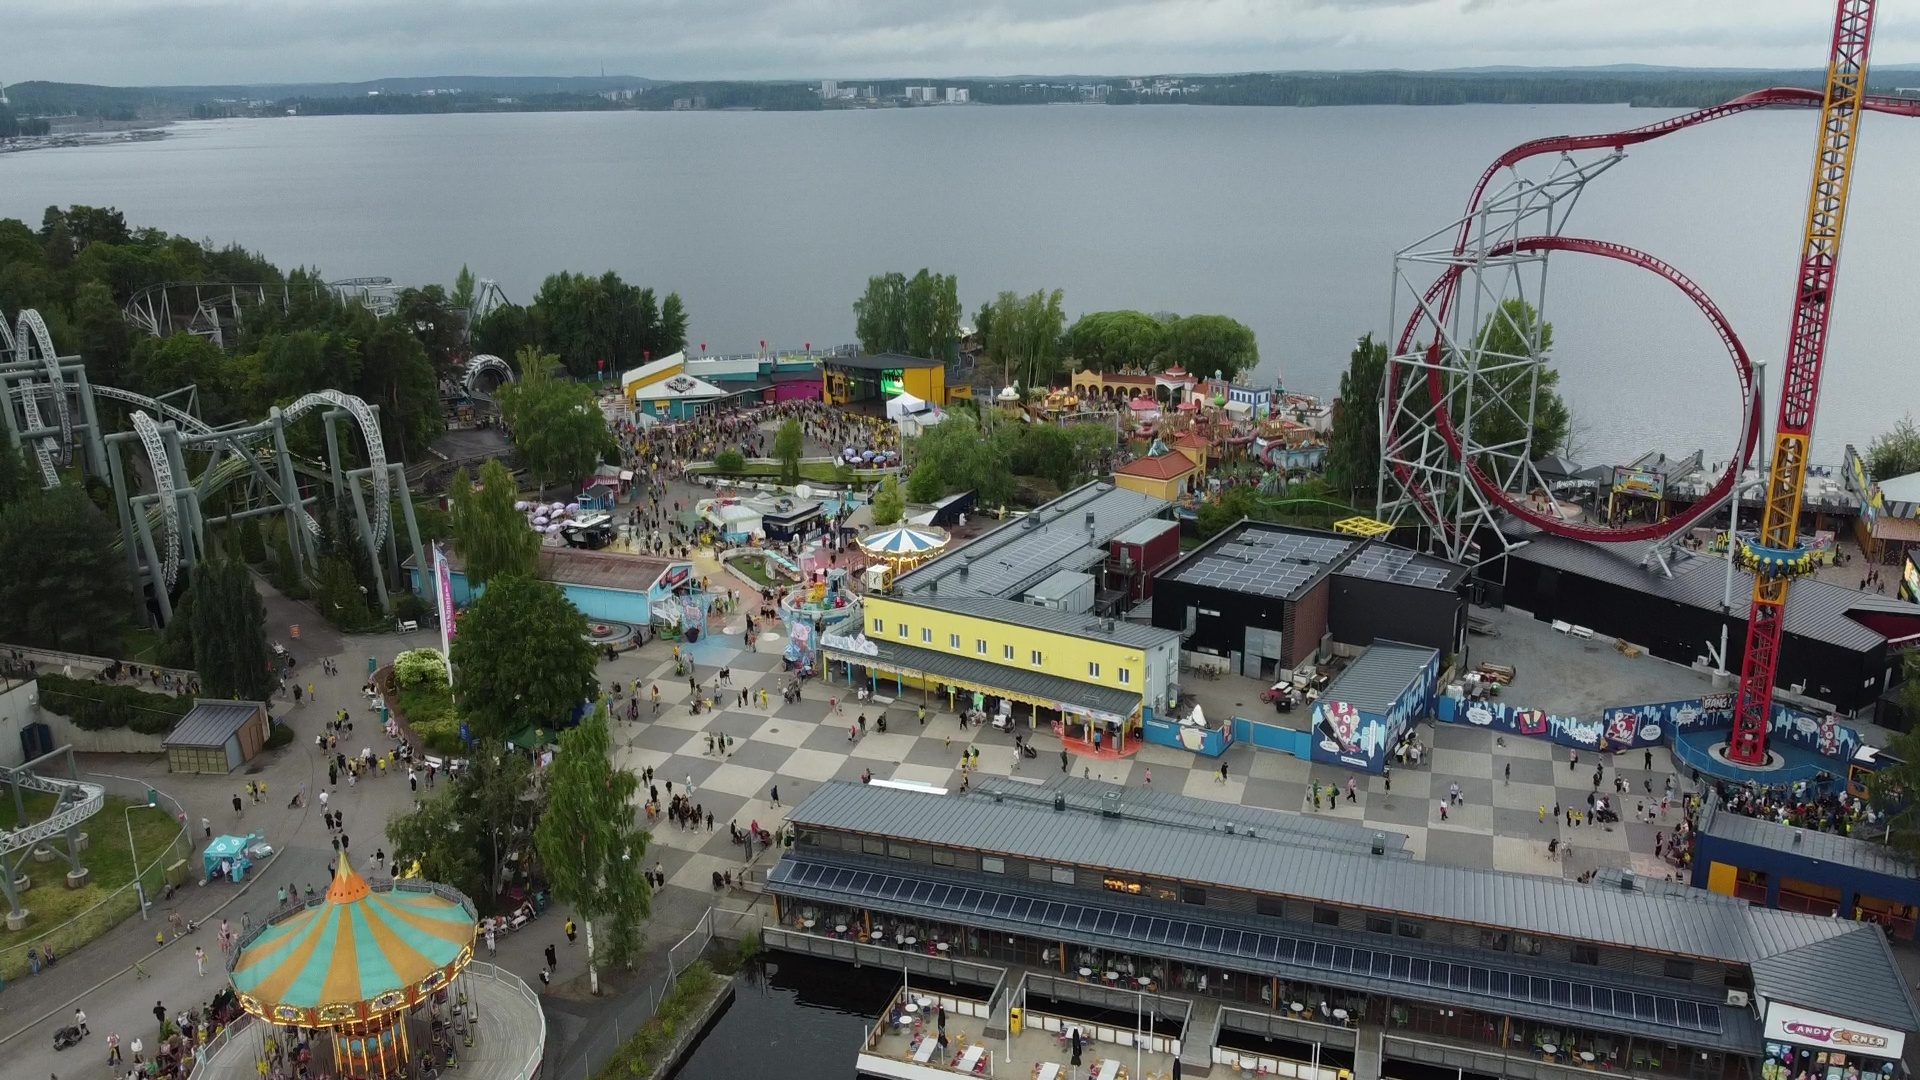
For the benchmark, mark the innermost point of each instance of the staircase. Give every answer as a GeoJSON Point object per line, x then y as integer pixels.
{"type": "Point", "coordinates": [1196, 1041]}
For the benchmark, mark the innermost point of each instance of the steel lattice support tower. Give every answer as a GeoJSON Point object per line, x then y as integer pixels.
{"type": "Point", "coordinates": [1806, 354]}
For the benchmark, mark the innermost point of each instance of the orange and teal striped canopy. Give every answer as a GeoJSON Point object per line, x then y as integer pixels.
{"type": "Point", "coordinates": [359, 953]}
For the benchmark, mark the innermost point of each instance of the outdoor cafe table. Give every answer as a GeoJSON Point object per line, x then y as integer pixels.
{"type": "Point", "coordinates": [971, 1058]}
{"type": "Point", "coordinates": [1047, 1071]}
{"type": "Point", "coordinates": [1109, 1069]}
{"type": "Point", "coordinates": [924, 1052]}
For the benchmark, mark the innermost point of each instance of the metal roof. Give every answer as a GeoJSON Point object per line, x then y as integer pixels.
{"type": "Point", "coordinates": [1035, 684]}
{"type": "Point", "coordinates": [881, 361]}
{"type": "Point", "coordinates": [1184, 811]}
{"type": "Point", "coordinates": [1372, 963]}
{"type": "Point", "coordinates": [1057, 535]}
{"type": "Point", "coordinates": [1121, 632]}
{"type": "Point", "coordinates": [1853, 973]}
{"type": "Point", "coordinates": [1815, 609]}
{"type": "Point", "coordinates": [1262, 559]}
{"type": "Point", "coordinates": [1144, 532]}
{"type": "Point", "coordinates": [211, 722]}
{"type": "Point", "coordinates": [1377, 678]}
{"type": "Point", "coordinates": [1525, 903]}
{"type": "Point", "coordinates": [1717, 821]}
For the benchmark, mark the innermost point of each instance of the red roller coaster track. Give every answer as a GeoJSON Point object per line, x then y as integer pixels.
{"type": "Point", "coordinates": [1439, 299]}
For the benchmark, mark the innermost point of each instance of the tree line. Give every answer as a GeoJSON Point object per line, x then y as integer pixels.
{"type": "Point", "coordinates": [591, 325]}
{"type": "Point", "coordinates": [1026, 339]}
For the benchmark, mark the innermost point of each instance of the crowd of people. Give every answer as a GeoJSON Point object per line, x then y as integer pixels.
{"type": "Point", "coordinates": [1801, 805]}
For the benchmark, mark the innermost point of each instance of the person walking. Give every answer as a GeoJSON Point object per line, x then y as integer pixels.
{"type": "Point", "coordinates": [160, 1014]}
{"type": "Point", "coordinates": [493, 944]}
{"type": "Point", "coordinates": [80, 1021]}
{"type": "Point", "coordinates": [553, 957]}
{"type": "Point", "coordinates": [239, 808]}
{"type": "Point", "coordinates": [1149, 776]}
{"type": "Point", "coordinates": [570, 930]}
{"type": "Point", "coordinates": [546, 978]}
{"type": "Point", "coordinates": [776, 794]}
{"type": "Point", "coordinates": [200, 961]}
{"type": "Point", "coordinates": [1063, 761]}
{"type": "Point", "coordinates": [1353, 787]}
{"type": "Point", "coordinates": [1443, 809]}
{"type": "Point", "coordinates": [113, 1048]}
{"type": "Point", "coordinates": [1223, 772]}
{"type": "Point", "coordinates": [1507, 772]}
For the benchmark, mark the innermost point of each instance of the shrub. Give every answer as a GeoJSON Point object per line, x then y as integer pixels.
{"type": "Point", "coordinates": [419, 669]}
{"type": "Point", "coordinates": [411, 607]}
{"type": "Point", "coordinates": [98, 706]}
{"type": "Point", "coordinates": [730, 461]}
{"type": "Point", "coordinates": [282, 735]}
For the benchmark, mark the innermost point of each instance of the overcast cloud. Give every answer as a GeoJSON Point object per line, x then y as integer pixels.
{"type": "Point", "coordinates": [127, 42]}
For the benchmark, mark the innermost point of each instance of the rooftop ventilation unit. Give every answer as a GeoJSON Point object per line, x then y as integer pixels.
{"type": "Point", "coordinates": [1110, 804]}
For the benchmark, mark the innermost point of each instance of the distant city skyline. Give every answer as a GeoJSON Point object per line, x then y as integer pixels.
{"type": "Point", "coordinates": [162, 42]}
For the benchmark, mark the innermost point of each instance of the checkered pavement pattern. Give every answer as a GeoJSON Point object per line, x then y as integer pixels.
{"type": "Point", "coordinates": [790, 749]}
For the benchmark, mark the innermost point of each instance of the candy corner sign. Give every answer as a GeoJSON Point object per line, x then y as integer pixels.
{"type": "Point", "coordinates": [1789, 1023]}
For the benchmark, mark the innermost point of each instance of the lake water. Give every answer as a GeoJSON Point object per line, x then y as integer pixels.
{"type": "Point", "coordinates": [768, 224]}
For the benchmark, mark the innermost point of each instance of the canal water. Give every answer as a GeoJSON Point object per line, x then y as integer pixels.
{"type": "Point", "coordinates": [798, 1017]}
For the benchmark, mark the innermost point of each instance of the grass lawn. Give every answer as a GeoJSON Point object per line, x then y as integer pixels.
{"type": "Point", "coordinates": [142, 646]}
{"type": "Point", "coordinates": [755, 567]}
{"type": "Point", "coordinates": [69, 918]}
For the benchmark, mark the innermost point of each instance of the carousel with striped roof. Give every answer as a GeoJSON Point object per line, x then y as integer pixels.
{"type": "Point", "coordinates": [383, 974]}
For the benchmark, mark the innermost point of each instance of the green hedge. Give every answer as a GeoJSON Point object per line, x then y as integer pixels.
{"type": "Point", "coordinates": [641, 1055]}
{"type": "Point", "coordinates": [98, 706]}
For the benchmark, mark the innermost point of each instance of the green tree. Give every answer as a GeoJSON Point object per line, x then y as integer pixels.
{"type": "Point", "coordinates": [1210, 344]}
{"type": "Point", "coordinates": [466, 833]}
{"type": "Point", "coordinates": [340, 595]}
{"type": "Point", "coordinates": [888, 505]}
{"type": "Point", "coordinates": [932, 315]}
{"type": "Point", "coordinates": [1118, 341]}
{"type": "Point", "coordinates": [18, 478]}
{"type": "Point", "coordinates": [1514, 330]}
{"type": "Point", "coordinates": [252, 542]}
{"type": "Point", "coordinates": [491, 536]}
{"type": "Point", "coordinates": [954, 455]}
{"type": "Point", "coordinates": [77, 596]}
{"type": "Point", "coordinates": [1026, 339]}
{"type": "Point", "coordinates": [1895, 452]}
{"type": "Point", "coordinates": [1353, 453]}
{"type": "Point", "coordinates": [730, 460]}
{"type": "Point", "coordinates": [591, 849]}
{"type": "Point", "coordinates": [463, 297]}
{"type": "Point", "coordinates": [788, 442]}
{"type": "Point", "coordinates": [1892, 790]}
{"type": "Point", "coordinates": [880, 315]}
{"type": "Point", "coordinates": [228, 623]}
{"type": "Point", "coordinates": [673, 326]}
{"type": "Point", "coordinates": [437, 323]}
{"type": "Point", "coordinates": [522, 658]}
{"type": "Point", "coordinates": [556, 425]}
{"type": "Point", "coordinates": [506, 330]}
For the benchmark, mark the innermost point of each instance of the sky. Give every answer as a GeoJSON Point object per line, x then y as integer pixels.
{"type": "Point", "coordinates": [150, 42]}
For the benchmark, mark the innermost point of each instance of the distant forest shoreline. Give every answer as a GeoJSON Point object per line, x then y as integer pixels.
{"type": "Point", "coordinates": [1646, 88]}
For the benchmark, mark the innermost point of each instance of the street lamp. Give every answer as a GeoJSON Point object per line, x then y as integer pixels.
{"type": "Point", "coordinates": [139, 887]}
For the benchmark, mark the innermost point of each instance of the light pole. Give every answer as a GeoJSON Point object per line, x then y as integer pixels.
{"type": "Point", "coordinates": [139, 887]}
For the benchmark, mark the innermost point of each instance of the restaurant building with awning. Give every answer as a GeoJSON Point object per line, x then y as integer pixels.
{"type": "Point", "coordinates": [1010, 624]}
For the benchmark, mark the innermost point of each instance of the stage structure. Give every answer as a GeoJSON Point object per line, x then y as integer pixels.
{"type": "Point", "coordinates": [166, 471]}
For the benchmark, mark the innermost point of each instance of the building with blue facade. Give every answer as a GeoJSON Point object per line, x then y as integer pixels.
{"type": "Point", "coordinates": [1367, 708]}
{"type": "Point", "coordinates": [609, 585]}
{"type": "Point", "coordinates": [1782, 866]}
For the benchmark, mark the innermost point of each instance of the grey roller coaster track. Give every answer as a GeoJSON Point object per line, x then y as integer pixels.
{"type": "Point", "coordinates": [75, 801]}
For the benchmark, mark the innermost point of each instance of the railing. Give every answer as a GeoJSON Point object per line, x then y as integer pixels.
{"type": "Point", "coordinates": [1705, 763]}
{"type": "Point", "coordinates": [589, 1053]}
{"type": "Point", "coordinates": [963, 972]}
{"type": "Point", "coordinates": [518, 986]}
{"type": "Point", "coordinates": [55, 656]}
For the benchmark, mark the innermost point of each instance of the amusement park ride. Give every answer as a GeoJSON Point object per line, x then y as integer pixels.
{"type": "Point", "coordinates": [1446, 387]}
{"type": "Point", "coordinates": [48, 405]}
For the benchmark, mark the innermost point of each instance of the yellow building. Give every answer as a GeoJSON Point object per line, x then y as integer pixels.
{"type": "Point", "coordinates": [853, 380]}
{"type": "Point", "coordinates": [1012, 617]}
{"type": "Point", "coordinates": [1163, 476]}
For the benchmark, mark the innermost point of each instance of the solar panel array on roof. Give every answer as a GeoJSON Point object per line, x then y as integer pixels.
{"type": "Point", "coordinates": [844, 884]}
{"type": "Point", "coordinates": [1397, 565]}
{"type": "Point", "coordinates": [1266, 563]}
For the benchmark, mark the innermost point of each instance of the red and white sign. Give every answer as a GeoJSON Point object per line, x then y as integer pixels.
{"type": "Point", "coordinates": [443, 601]}
{"type": "Point", "coordinates": [1804, 1027]}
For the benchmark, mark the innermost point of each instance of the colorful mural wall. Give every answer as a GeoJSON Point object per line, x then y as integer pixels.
{"type": "Point", "coordinates": [1348, 736]}
{"type": "Point", "coordinates": [1632, 727]}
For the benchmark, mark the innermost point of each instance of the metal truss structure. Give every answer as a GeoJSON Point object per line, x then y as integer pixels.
{"type": "Point", "coordinates": [48, 405]}
{"type": "Point", "coordinates": [479, 367]}
{"type": "Point", "coordinates": [74, 802]}
{"type": "Point", "coordinates": [1457, 417]}
{"type": "Point", "coordinates": [208, 308]}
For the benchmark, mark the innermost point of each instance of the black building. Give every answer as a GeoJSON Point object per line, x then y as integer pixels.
{"type": "Point", "coordinates": [1838, 645]}
{"type": "Point", "coordinates": [1264, 596]}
